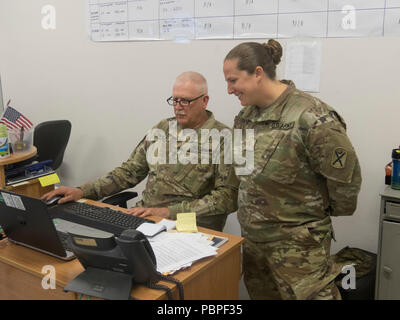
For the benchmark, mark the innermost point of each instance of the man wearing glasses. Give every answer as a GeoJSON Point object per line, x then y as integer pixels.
{"type": "Point", "coordinates": [209, 189]}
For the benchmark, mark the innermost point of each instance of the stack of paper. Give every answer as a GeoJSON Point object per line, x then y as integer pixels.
{"type": "Point", "coordinates": [151, 229]}
{"type": "Point", "coordinates": [175, 251]}
{"type": "Point", "coordinates": [169, 224]}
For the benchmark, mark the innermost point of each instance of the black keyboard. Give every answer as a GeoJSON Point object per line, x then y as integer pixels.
{"type": "Point", "coordinates": [105, 219]}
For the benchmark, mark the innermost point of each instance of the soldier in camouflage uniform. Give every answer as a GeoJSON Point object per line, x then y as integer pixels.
{"type": "Point", "coordinates": [305, 170]}
{"type": "Point", "coordinates": [209, 189]}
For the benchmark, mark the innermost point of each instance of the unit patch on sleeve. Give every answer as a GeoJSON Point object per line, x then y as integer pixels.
{"type": "Point", "coordinates": [339, 156]}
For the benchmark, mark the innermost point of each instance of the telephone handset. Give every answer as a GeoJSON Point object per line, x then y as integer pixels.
{"type": "Point", "coordinates": [128, 258]}
{"type": "Point", "coordinates": [137, 249]}
{"type": "Point", "coordinates": [130, 253]}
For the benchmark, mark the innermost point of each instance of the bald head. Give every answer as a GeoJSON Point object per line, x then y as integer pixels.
{"type": "Point", "coordinates": [190, 86]}
{"type": "Point", "coordinates": [193, 78]}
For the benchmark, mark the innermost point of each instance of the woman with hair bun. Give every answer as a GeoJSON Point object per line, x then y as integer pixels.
{"type": "Point", "coordinates": [305, 171]}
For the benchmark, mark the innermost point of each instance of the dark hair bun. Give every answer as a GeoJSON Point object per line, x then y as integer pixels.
{"type": "Point", "coordinates": [275, 50]}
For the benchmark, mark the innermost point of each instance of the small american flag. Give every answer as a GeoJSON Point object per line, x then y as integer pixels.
{"type": "Point", "coordinates": [15, 120]}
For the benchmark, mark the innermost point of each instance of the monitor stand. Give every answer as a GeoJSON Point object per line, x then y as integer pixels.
{"type": "Point", "coordinates": [102, 284]}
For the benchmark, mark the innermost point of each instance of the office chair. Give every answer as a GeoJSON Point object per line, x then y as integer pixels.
{"type": "Point", "coordinates": [51, 139]}
{"type": "Point", "coordinates": [121, 199]}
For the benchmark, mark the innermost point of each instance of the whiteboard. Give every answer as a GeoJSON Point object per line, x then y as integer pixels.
{"type": "Point", "coordinates": [124, 20]}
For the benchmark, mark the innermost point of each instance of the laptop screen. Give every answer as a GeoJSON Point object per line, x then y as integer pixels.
{"type": "Point", "coordinates": [26, 221]}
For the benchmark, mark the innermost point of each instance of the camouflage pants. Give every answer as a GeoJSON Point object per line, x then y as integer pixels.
{"type": "Point", "coordinates": [297, 268]}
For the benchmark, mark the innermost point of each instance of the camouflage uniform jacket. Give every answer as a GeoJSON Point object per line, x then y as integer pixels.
{"type": "Point", "coordinates": [209, 189]}
{"type": "Point", "coordinates": [305, 167]}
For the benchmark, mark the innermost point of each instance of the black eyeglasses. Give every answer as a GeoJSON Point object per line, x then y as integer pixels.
{"type": "Point", "coordinates": [183, 102]}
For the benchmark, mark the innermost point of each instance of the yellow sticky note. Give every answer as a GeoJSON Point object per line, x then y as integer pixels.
{"type": "Point", "coordinates": [49, 180]}
{"type": "Point", "coordinates": [186, 222]}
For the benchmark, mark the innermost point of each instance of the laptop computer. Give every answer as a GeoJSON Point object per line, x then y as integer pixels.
{"type": "Point", "coordinates": [29, 222]}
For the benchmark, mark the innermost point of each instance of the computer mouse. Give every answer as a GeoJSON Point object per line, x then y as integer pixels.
{"type": "Point", "coordinates": [53, 200]}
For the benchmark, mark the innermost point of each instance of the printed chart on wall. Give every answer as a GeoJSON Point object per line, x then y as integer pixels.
{"type": "Point", "coordinates": [111, 20]}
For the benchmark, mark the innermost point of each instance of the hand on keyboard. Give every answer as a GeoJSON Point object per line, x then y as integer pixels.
{"type": "Point", "coordinates": [145, 212]}
{"type": "Point", "coordinates": [101, 217]}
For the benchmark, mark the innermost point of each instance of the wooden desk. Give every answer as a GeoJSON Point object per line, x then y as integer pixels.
{"type": "Point", "coordinates": [211, 278]}
{"type": "Point", "coordinates": [30, 188]}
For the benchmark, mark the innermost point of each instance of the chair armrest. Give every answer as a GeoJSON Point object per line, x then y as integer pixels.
{"type": "Point", "coordinates": [120, 199]}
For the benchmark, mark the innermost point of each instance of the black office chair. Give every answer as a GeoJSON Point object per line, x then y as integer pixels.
{"type": "Point", "coordinates": [51, 139]}
{"type": "Point", "coordinates": [121, 199]}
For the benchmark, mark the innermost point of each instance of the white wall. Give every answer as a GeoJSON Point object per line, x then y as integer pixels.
{"type": "Point", "coordinates": [114, 92]}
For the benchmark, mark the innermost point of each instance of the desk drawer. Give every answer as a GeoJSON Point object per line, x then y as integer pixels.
{"type": "Point", "coordinates": [393, 209]}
